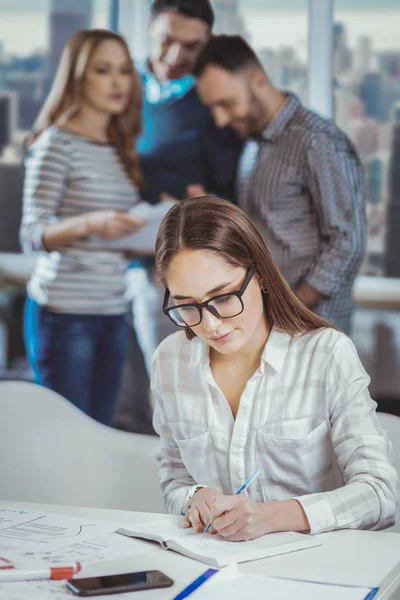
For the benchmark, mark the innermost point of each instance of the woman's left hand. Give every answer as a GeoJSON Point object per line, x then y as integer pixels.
{"type": "Point", "coordinates": [238, 518]}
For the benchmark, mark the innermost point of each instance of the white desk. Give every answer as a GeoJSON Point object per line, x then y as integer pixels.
{"type": "Point", "coordinates": [348, 557]}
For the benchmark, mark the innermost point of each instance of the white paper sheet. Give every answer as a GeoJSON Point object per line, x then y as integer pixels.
{"type": "Point", "coordinates": [88, 553]}
{"type": "Point", "coordinates": [48, 590]}
{"type": "Point", "coordinates": [27, 537]}
{"type": "Point", "coordinates": [255, 587]}
{"type": "Point", "coordinates": [143, 240]}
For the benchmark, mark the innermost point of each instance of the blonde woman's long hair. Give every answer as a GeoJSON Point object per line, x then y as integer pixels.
{"type": "Point", "coordinates": [64, 99]}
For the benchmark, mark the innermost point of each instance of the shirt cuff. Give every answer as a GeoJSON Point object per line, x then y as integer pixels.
{"type": "Point", "coordinates": [37, 237]}
{"type": "Point", "coordinates": [189, 495]}
{"type": "Point", "coordinates": [323, 284]}
{"type": "Point", "coordinates": [318, 512]}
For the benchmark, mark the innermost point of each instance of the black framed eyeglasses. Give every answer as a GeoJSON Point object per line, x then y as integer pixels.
{"type": "Point", "coordinates": [224, 306]}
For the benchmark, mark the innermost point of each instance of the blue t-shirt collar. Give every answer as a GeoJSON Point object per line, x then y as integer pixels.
{"type": "Point", "coordinates": [156, 92]}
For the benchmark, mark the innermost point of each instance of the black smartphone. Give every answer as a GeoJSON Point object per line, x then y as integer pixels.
{"type": "Point", "coordinates": [113, 584]}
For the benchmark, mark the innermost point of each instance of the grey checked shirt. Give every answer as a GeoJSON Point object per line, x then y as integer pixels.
{"type": "Point", "coordinates": [302, 183]}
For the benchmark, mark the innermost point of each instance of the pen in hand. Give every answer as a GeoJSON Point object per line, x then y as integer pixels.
{"type": "Point", "coordinates": [242, 489]}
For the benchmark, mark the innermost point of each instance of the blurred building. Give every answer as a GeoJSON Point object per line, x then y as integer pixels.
{"type": "Point", "coordinates": [66, 17]}
{"type": "Point", "coordinates": [342, 101]}
{"type": "Point", "coordinates": [392, 257]}
{"type": "Point", "coordinates": [8, 118]}
{"type": "Point", "coordinates": [285, 70]}
{"type": "Point", "coordinates": [342, 59]}
{"type": "Point", "coordinates": [30, 89]}
{"type": "Point", "coordinates": [371, 94]}
{"type": "Point", "coordinates": [363, 56]}
{"type": "Point", "coordinates": [376, 176]}
{"type": "Point", "coordinates": [389, 63]}
{"type": "Point", "coordinates": [228, 18]}
{"type": "Point", "coordinates": [364, 133]}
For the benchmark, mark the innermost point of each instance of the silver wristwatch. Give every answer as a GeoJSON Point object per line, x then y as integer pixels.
{"type": "Point", "coordinates": [190, 493]}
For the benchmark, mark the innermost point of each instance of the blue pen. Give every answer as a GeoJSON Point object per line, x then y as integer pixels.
{"type": "Point", "coordinates": [192, 587]}
{"type": "Point", "coordinates": [242, 488]}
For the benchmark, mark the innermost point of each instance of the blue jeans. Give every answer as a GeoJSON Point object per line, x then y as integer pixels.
{"type": "Point", "coordinates": [78, 356]}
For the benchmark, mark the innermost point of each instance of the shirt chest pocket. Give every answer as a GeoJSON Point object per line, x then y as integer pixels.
{"type": "Point", "coordinates": [199, 459]}
{"type": "Point", "coordinates": [295, 456]}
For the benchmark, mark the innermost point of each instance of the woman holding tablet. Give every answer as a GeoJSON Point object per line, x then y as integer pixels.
{"type": "Point", "coordinates": [253, 379]}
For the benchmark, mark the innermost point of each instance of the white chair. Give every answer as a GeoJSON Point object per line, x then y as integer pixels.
{"type": "Point", "coordinates": [51, 452]}
{"type": "Point", "coordinates": [391, 424]}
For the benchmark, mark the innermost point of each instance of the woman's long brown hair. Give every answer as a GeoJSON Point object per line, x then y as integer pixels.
{"type": "Point", "coordinates": [64, 99]}
{"type": "Point", "coordinates": [217, 226]}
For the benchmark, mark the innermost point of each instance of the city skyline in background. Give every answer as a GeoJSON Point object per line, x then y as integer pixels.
{"type": "Point", "coordinates": [25, 30]}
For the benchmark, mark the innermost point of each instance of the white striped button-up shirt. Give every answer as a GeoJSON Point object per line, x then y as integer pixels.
{"type": "Point", "coordinates": [305, 419]}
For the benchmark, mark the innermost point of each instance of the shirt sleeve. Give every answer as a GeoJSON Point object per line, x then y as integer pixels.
{"type": "Point", "coordinates": [368, 499]}
{"type": "Point", "coordinates": [46, 171]}
{"type": "Point", "coordinates": [175, 480]}
{"type": "Point", "coordinates": [336, 185]}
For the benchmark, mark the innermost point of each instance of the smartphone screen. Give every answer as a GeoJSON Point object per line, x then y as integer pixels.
{"type": "Point", "coordinates": [126, 582]}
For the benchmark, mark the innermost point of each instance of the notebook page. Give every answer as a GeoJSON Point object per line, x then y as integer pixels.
{"type": "Point", "coordinates": [160, 530]}
{"type": "Point", "coordinates": [213, 549]}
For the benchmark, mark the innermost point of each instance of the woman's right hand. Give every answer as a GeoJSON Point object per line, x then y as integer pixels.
{"type": "Point", "coordinates": [112, 224]}
{"type": "Point", "coordinates": [200, 505]}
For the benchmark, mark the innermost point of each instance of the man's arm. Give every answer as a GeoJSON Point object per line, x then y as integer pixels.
{"type": "Point", "coordinates": [336, 185]}
{"type": "Point", "coordinates": [221, 151]}
{"type": "Point", "coordinates": [308, 295]}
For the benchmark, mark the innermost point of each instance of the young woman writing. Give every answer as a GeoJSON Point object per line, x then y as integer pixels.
{"type": "Point", "coordinates": [256, 380]}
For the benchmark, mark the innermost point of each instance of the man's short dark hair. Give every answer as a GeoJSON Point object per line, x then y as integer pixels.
{"type": "Point", "coordinates": [194, 9]}
{"type": "Point", "coordinates": [229, 52]}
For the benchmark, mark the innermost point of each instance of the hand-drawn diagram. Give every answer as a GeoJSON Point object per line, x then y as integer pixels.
{"type": "Point", "coordinates": [27, 534]}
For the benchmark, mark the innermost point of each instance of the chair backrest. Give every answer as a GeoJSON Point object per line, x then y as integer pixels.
{"type": "Point", "coordinates": [391, 424]}
{"type": "Point", "coordinates": [51, 452]}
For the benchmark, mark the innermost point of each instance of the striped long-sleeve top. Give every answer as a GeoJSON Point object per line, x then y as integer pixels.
{"type": "Point", "coordinates": [67, 175]}
{"type": "Point", "coordinates": [302, 182]}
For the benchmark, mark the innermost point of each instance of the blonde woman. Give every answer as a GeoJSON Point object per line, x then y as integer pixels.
{"type": "Point", "coordinates": [82, 176]}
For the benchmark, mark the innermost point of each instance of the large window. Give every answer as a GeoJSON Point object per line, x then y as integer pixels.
{"type": "Point", "coordinates": [32, 36]}
{"type": "Point", "coordinates": [277, 30]}
{"type": "Point", "coordinates": [367, 108]}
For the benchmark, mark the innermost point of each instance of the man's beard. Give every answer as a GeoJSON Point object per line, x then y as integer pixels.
{"type": "Point", "coordinates": [256, 118]}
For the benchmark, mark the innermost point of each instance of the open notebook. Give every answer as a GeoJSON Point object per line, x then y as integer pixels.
{"type": "Point", "coordinates": [212, 549]}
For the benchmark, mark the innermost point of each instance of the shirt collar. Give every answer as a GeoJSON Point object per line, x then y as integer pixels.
{"type": "Point", "coordinates": [274, 352]}
{"type": "Point", "coordinates": [276, 348]}
{"type": "Point", "coordinates": [158, 92]}
{"type": "Point", "coordinates": [282, 119]}
{"type": "Point", "coordinates": [199, 352]}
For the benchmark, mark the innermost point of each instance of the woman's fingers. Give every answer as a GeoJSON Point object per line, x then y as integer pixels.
{"type": "Point", "coordinates": [195, 519]}
{"type": "Point", "coordinates": [199, 516]}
